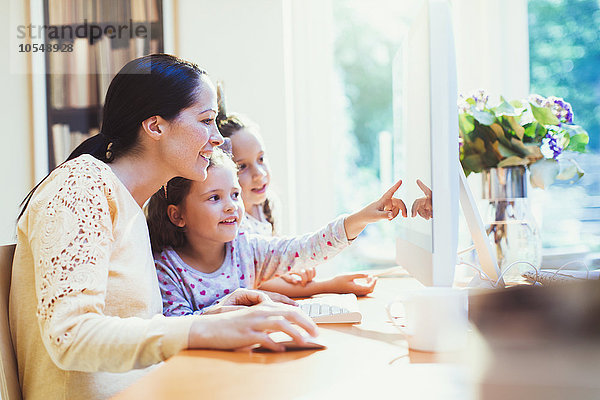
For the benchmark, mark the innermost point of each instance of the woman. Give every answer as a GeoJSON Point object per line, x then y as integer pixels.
{"type": "Point", "coordinates": [85, 307]}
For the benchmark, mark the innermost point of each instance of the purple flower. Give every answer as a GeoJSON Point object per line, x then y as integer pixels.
{"type": "Point", "coordinates": [538, 100]}
{"type": "Point", "coordinates": [550, 147]}
{"type": "Point", "coordinates": [463, 106]}
{"type": "Point", "coordinates": [561, 109]}
{"type": "Point", "coordinates": [479, 97]}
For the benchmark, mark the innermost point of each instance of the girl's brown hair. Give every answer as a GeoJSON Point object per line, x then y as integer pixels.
{"type": "Point", "coordinates": [163, 233]}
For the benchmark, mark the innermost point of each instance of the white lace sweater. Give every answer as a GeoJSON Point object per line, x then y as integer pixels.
{"type": "Point", "coordinates": [85, 306]}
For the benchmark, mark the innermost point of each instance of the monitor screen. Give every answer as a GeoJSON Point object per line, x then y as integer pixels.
{"type": "Point", "coordinates": [426, 142]}
{"type": "Point", "coordinates": [412, 128]}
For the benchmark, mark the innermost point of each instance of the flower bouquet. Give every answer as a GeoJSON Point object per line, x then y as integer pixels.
{"type": "Point", "coordinates": [505, 141]}
{"type": "Point", "coordinates": [537, 133]}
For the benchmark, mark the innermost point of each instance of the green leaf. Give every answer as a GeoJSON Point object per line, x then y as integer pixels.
{"type": "Point", "coordinates": [465, 123]}
{"type": "Point", "coordinates": [564, 139]}
{"type": "Point", "coordinates": [573, 129]}
{"type": "Point", "coordinates": [569, 169]}
{"type": "Point", "coordinates": [513, 161]}
{"type": "Point", "coordinates": [540, 130]}
{"type": "Point", "coordinates": [516, 104]}
{"type": "Point", "coordinates": [519, 147]}
{"type": "Point", "coordinates": [472, 163]}
{"type": "Point", "coordinates": [498, 131]}
{"type": "Point", "coordinates": [578, 142]}
{"type": "Point", "coordinates": [491, 158]}
{"type": "Point", "coordinates": [530, 130]}
{"type": "Point", "coordinates": [544, 115]}
{"type": "Point", "coordinates": [503, 137]}
{"type": "Point", "coordinates": [504, 108]}
{"type": "Point", "coordinates": [478, 145]}
{"type": "Point", "coordinates": [471, 101]}
{"type": "Point", "coordinates": [519, 130]}
{"type": "Point", "coordinates": [484, 117]}
{"type": "Point", "coordinates": [505, 151]}
{"type": "Point", "coordinates": [534, 152]}
{"type": "Point", "coordinates": [535, 130]}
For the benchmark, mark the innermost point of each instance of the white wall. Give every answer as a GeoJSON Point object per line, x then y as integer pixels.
{"type": "Point", "coordinates": [275, 59]}
{"type": "Point", "coordinates": [492, 47]}
{"type": "Point", "coordinates": [316, 137]}
{"type": "Point", "coordinates": [16, 161]}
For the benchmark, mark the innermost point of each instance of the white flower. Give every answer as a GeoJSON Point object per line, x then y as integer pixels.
{"type": "Point", "coordinates": [537, 100]}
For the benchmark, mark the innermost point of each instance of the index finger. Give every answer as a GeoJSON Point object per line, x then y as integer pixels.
{"type": "Point", "coordinates": [424, 188]}
{"type": "Point", "coordinates": [393, 189]}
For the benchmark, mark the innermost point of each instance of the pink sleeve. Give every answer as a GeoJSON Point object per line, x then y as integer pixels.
{"type": "Point", "coordinates": [277, 255]}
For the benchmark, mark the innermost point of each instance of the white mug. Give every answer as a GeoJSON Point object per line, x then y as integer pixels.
{"type": "Point", "coordinates": [435, 319]}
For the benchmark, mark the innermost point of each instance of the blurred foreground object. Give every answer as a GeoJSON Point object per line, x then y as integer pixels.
{"type": "Point", "coordinates": [538, 342]}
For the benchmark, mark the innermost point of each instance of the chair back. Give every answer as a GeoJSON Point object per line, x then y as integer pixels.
{"type": "Point", "coordinates": [9, 377]}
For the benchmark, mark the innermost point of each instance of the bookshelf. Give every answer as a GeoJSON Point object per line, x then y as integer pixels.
{"type": "Point", "coordinates": [90, 40]}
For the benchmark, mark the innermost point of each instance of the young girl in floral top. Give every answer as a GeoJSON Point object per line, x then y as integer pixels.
{"type": "Point", "coordinates": [201, 256]}
{"type": "Point", "coordinates": [254, 175]}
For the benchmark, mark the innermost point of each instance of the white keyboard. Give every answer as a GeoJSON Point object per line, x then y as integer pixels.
{"type": "Point", "coordinates": [332, 308]}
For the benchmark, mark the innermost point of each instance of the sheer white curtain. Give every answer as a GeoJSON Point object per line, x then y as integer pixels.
{"type": "Point", "coordinates": [276, 60]}
{"type": "Point", "coordinates": [492, 46]}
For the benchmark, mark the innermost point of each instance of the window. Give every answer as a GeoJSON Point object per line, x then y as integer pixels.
{"type": "Point", "coordinates": [564, 49]}
{"type": "Point", "coordinates": [367, 37]}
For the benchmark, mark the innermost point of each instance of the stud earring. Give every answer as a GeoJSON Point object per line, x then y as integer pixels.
{"type": "Point", "coordinates": [109, 153]}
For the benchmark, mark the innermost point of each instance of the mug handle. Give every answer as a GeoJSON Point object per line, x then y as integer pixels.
{"type": "Point", "coordinates": [404, 329]}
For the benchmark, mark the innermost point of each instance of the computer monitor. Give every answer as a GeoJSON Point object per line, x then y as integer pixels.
{"type": "Point", "coordinates": [426, 148]}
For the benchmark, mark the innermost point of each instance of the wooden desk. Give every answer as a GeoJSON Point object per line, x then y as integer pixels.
{"type": "Point", "coordinates": [367, 360]}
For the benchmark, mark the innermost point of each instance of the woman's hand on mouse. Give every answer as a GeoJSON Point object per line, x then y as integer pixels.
{"type": "Point", "coordinates": [250, 326]}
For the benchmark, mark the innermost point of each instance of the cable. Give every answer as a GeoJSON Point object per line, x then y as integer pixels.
{"type": "Point", "coordinates": [468, 249]}
{"type": "Point", "coordinates": [480, 271]}
{"type": "Point", "coordinates": [495, 283]}
{"type": "Point", "coordinates": [476, 268]}
{"type": "Point", "coordinates": [587, 275]}
{"type": "Point", "coordinates": [537, 271]}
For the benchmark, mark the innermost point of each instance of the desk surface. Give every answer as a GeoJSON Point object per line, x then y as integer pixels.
{"type": "Point", "coordinates": [366, 359]}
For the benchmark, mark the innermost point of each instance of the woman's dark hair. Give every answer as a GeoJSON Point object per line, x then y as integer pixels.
{"type": "Point", "coordinates": [163, 233]}
{"type": "Point", "coordinates": [228, 125]}
{"type": "Point", "coordinates": [156, 84]}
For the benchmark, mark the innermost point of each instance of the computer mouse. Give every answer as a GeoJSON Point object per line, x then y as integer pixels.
{"type": "Point", "coordinates": [312, 343]}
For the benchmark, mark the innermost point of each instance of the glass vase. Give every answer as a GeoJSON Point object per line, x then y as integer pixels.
{"type": "Point", "coordinates": [508, 220]}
